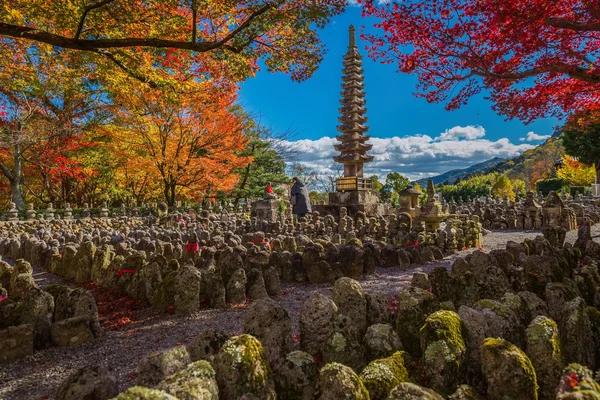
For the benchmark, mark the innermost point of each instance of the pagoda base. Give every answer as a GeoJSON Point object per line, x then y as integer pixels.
{"type": "Point", "coordinates": [365, 201]}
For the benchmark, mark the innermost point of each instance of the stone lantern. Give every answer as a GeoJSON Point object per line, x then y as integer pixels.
{"type": "Point", "coordinates": [409, 201]}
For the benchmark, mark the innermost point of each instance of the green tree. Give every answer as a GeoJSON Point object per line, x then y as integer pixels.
{"type": "Point", "coordinates": [582, 140]}
{"type": "Point", "coordinates": [394, 182]}
{"type": "Point", "coordinates": [375, 183]}
{"type": "Point", "coordinates": [267, 167]}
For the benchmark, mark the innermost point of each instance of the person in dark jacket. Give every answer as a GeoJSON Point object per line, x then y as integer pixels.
{"type": "Point", "coordinates": [300, 199]}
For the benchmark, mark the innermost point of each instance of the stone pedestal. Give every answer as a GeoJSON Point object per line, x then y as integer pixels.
{"type": "Point", "coordinates": [596, 190]}
{"type": "Point", "coordinates": [268, 210]}
{"type": "Point", "coordinates": [365, 201]}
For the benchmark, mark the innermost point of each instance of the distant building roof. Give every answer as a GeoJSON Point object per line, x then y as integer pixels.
{"type": "Point", "coordinates": [410, 190]}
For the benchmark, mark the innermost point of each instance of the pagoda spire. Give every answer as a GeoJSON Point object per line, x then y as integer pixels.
{"type": "Point", "coordinates": [353, 145]}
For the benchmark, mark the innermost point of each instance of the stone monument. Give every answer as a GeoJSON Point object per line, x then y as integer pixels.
{"type": "Point", "coordinates": [30, 214]}
{"type": "Point", "coordinates": [353, 190]}
{"type": "Point", "coordinates": [13, 213]}
{"type": "Point", "coordinates": [432, 212]}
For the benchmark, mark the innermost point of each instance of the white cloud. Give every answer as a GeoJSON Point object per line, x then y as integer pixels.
{"type": "Point", "coordinates": [532, 136]}
{"type": "Point", "coordinates": [469, 132]}
{"type": "Point", "coordinates": [356, 3]}
{"type": "Point", "coordinates": [417, 156]}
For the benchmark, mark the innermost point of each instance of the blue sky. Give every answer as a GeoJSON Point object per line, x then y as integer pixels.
{"type": "Point", "coordinates": [410, 136]}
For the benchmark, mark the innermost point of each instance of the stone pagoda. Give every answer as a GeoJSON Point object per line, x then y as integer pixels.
{"type": "Point", "coordinates": [353, 190]}
{"type": "Point", "coordinates": [353, 147]}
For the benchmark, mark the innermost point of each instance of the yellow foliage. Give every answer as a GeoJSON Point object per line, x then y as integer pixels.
{"type": "Point", "coordinates": [578, 174]}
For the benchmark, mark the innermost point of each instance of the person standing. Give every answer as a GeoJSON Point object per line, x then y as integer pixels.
{"type": "Point", "coordinates": [300, 200]}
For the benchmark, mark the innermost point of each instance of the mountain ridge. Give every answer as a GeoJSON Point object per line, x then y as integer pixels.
{"type": "Point", "coordinates": [452, 175]}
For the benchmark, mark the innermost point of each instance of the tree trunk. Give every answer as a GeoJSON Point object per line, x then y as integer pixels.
{"type": "Point", "coordinates": [16, 183]}
{"type": "Point", "coordinates": [597, 173]}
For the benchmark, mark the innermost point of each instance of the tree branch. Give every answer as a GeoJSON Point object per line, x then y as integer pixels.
{"type": "Point", "coordinates": [85, 13]}
{"type": "Point", "coordinates": [131, 73]}
{"type": "Point", "coordinates": [24, 32]}
{"type": "Point", "coordinates": [573, 25]}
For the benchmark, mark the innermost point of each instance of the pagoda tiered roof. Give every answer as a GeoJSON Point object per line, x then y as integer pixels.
{"type": "Point", "coordinates": [353, 147]}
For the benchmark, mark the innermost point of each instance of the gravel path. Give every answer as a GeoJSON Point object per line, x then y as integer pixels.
{"type": "Point", "coordinates": [39, 376]}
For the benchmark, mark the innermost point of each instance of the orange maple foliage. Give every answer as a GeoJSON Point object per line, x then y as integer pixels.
{"type": "Point", "coordinates": [187, 142]}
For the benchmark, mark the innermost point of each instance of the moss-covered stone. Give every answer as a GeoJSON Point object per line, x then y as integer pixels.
{"type": "Point", "coordinates": [242, 368]}
{"type": "Point", "coordinates": [507, 371]}
{"type": "Point", "coordinates": [543, 349]}
{"type": "Point", "coordinates": [337, 381]}
{"type": "Point", "coordinates": [444, 350]}
{"type": "Point", "coordinates": [411, 391]}
{"type": "Point", "coordinates": [196, 382]}
{"type": "Point", "coordinates": [577, 383]}
{"type": "Point", "coordinates": [381, 376]}
{"type": "Point", "coordinates": [143, 393]}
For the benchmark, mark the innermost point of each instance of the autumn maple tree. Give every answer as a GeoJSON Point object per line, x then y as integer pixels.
{"type": "Point", "coordinates": [535, 58]}
{"type": "Point", "coordinates": [48, 101]}
{"type": "Point", "coordinates": [189, 37]}
{"type": "Point", "coordinates": [190, 141]}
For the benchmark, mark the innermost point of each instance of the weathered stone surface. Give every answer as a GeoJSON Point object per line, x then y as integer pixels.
{"type": "Point", "coordinates": [297, 377]}
{"type": "Point", "coordinates": [37, 310]}
{"type": "Point", "coordinates": [337, 381]}
{"type": "Point", "coordinates": [272, 282]}
{"type": "Point", "coordinates": [420, 280]}
{"type": "Point", "coordinates": [89, 383]}
{"type": "Point", "coordinates": [351, 301]}
{"type": "Point", "coordinates": [380, 341]}
{"type": "Point", "coordinates": [270, 323]}
{"type": "Point", "coordinates": [378, 310]}
{"type": "Point", "coordinates": [508, 371]}
{"type": "Point", "coordinates": [159, 365]}
{"type": "Point", "coordinates": [577, 343]}
{"type": "Point", "coordinates": [207, 344]}
{"type": "Point", "coordinates": [187, 283]}
{"type": "Point", "coordinates": [543, 349]}
{"type": "Point", "coordinates": [411, 391]}
{"type": "Point", "coordinates": [236, 287]}
{"type": "Point", "coordinates": [143, 393]}
{"type": "Point", "coordinates": [316, 322]}
{"type": "Point", "coordinates": [444, 351]}
{"type": "Point", "coordinates": [16, 342]}
{"type": "Point", "coordinates": [501, 321]}
{"type": "Point", "coordinates": [73, 331]}
{"type": "Point", "coordinates": [465, 392]}
{"type": "Point", "coordinates": [414, 305]}
{"type": "Point", "coordinates": [196, 382]}
{"type": "Point", "coordinates": [343, 345]}
{"type": "Point", "coordinates": [383, 375]}
{"type": "Point", "coordinates": [242, 369]}
{"type": "Point", "coordinates": [255, 287]}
